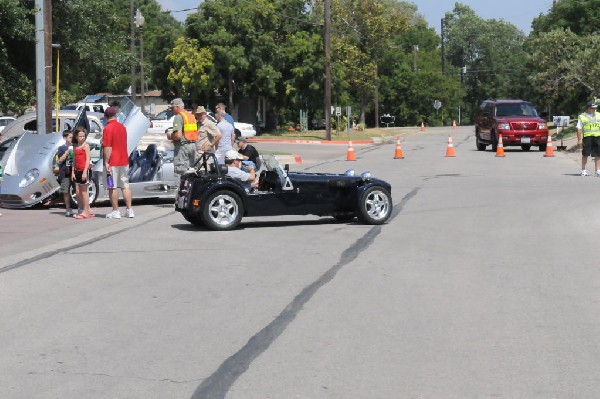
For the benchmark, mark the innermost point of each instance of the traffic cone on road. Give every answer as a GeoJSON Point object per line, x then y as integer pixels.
{"type": "Point", "coordinates": [350, 156]}
{"type": "Point", "coordinates": [422, 127]}
{"type": "Point", "coordinates": [500, 147]}
{"type": "Point", "coordinates": [398, 153]}
{"type": "Point", "coordinates": [453, 125]}
{"type": "Point", "coordinates": [549, 149]}
{"type": "Point", "coordinates": [450, 148]}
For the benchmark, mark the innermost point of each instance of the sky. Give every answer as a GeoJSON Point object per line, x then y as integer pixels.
{"type": "Point", "coordinates": [518, 12]}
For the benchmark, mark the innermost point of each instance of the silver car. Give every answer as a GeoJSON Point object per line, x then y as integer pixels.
{"type": "Point", "coordinates": [29, 166]}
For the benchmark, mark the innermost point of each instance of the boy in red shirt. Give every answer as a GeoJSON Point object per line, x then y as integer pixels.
{"type": "Point", "coordinates": [116, 163]}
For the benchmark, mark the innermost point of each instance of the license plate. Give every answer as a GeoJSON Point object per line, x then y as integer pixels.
{"type": "Point", "coordinates": [525, 140]}
{"type": "Point", "coordinates": [180, 202]}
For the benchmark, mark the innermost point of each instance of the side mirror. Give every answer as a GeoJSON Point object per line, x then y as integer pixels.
{"type": "Point", "coordinates": [223, 169]}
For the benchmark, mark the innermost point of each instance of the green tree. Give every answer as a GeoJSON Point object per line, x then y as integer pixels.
{"type": "Point", "coordinates": [192, 68]}
{"type": "Point", "coordinates": [16, 69]}
{"type": "Point", "coordinates": [582, 17]}
{"type": "Point", "coordinates": [363, 30]}
{"type": "Point", "coordinates": [492, 52]}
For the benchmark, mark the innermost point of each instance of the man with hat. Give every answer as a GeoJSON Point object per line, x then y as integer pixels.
{"type": "Point", "coordinates": [233, 160]}
{"type": "Point", "coordinates": [184, 136]}
{"type": "Point", "coordinates": [588, 126]}
{"type": "Point", "coordinates": [208, 133]}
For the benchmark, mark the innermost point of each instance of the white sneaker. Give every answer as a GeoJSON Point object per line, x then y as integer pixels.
{"type": "Point", "coordinates": [114, 215]}
{"type": "Point", "coordinates": [584, 172]}
{"type": "Point", "coordinates": [129, 213]}
{"type": "Point", "coordinates": [598, 173]}
{"type": "Point", "coordinates": [69, 213]}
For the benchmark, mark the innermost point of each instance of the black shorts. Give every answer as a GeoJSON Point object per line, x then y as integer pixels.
{"type": "Point", "coordinates": [591, 146]}
{"type": "Point", "coordinates": [79, 177]}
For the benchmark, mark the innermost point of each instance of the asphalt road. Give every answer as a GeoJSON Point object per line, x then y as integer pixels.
{"type": "Point", "coordinates": [483, 284]}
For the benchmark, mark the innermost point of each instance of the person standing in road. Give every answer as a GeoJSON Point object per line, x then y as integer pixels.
{"type": "Point", "coordinates": [65, 163]}
{"type": "Point", "coordinates": [184, 136]}
{"type": "Point", "coordinates": [116, 163]}
{"type": "Point", "coordinates": [209, 134]}
{"type": "Point", "coordinates": [227, 137]}
{"type": "Point", "coordinates": [79, 172]}
{"type": "Point", "coordinates": [220, 107]}
{"type": "Point", "coordinates": [588, 135]}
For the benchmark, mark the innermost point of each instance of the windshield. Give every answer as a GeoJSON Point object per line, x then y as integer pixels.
{"type": "Point", "coordinates": [517, 109]}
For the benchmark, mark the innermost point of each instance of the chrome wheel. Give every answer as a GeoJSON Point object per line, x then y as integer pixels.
{"type": "Point", "coordinates": [223, 211]}
{"type": "Point", "coordinates": [375, 206]}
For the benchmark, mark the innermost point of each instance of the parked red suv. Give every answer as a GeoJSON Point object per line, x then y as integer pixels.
{"type": "Point", "coordinates": [517, 121]}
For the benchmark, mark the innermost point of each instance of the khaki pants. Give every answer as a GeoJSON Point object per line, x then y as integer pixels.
{"type": "Point", "coordinates": [185, 157]}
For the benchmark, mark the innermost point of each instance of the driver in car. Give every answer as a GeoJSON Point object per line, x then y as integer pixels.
{"type": "Point", "coordinates": [233, 160]}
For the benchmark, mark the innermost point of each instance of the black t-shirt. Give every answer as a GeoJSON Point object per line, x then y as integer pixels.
{"type": "Point", "coordinates": [250, 152]}
{"type": "Point", "coordinates": [64, 167]}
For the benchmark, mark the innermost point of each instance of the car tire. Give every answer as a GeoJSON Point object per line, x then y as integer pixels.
{"type": "Point", "coordinates": [92, 192]}
{"type": "Point", "coordinates": [480, 146]}
{"type": "Point", "coordinates": [526, 147]}
{"type": "Point", "coordinates": [222, 210]}
{"type": "Point", "coordinates": [374, 206]}
{"type": "Point", "coordinates": [494, 140]}
{"type": "Point", "coordinates": [543, 147]}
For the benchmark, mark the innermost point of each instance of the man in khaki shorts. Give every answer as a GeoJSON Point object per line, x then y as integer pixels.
{"type": "Point", "coordinates": [208, 133]}
{"type": "Point", "coordinates": [116, 163]}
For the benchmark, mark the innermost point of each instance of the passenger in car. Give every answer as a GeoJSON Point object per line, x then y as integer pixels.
{"type": "Point", "coordinates": [233, 160]}
{"type": "Point", "coordinates": [249, 153]}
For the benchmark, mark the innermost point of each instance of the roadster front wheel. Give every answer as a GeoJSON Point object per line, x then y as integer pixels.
{"type": "Point", "coordinates": [222, 210]}
{"type": "Point", "coordinates": [375, 206]}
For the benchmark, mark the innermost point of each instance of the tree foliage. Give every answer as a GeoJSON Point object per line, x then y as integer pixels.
{"type": "Point", "coordinates": [192, 68]}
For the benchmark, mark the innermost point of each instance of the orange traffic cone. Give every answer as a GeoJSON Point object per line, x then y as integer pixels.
{"type": "Point", "coordinates": [422, 127]}
{"type": "Point", "coordinates": [453, 125]}
{"type": "Point", "coordinates": [500, 148]}
{"type": "Point", "coordinates": [549, 149]}
{"type": "Point", "coordinates": [350, 156]}
{"type": "Point", "coordinates": [398, 153]}
{"type": "Point", "coordinates": [450, 148]}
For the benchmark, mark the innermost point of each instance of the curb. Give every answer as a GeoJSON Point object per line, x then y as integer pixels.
{"type": "Point", "coordinates": [344, 142]}
{"type": "Point", "coordinates": [289, 159]}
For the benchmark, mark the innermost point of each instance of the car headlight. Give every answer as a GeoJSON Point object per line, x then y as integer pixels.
{"type": "Point", "coordinates": [504, 126]}
{"type": "Point", "coordinates": [542, 126]}
{"type": "Point", "coordinates": [29, 178]}
{"type": "Point", "coordinates": [366, 176]}
{"type": "Point", "coordinates": [349, 172]}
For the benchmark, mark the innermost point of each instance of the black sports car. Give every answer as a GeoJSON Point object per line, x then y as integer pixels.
{"type": "Point", "coordinates": [207, 196]}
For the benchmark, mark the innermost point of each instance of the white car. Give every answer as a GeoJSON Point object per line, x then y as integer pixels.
{"type": "Point", "coordinates": [164, 120]}
{"type": "Point", "coordinates": [5, 121]}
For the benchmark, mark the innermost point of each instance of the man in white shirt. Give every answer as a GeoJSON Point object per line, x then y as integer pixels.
{"type": "Point", "coordinates": [233, 160]}
{"type": "Point", "coordinates": [227, 137]}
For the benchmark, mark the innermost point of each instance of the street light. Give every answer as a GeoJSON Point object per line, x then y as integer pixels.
{"type": "Point", "coordinates": [139, 22]}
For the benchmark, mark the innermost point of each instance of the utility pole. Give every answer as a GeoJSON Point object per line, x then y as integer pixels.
{"type": "Point", "coordinates": [327, 34]}
{"type": "Point", "coordinates": [43, 65]}
{"type": "Point", "coordinates": [133, 55]}
{"type": "Point", "coordinates": [48, 63]}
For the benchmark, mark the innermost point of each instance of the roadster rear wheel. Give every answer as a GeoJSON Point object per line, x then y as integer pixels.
{"type": "Point", "coordinates": [375, 206]}
{"type": "Point", "coordinates": [222, 210]}
{"type": "Point", "coordinates": [92, 192]}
